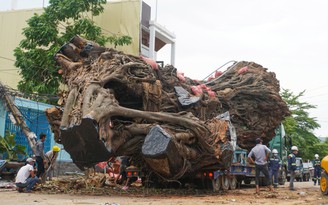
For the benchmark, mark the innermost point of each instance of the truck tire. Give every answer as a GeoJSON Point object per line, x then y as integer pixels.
{"type": "Point", "coordinates": [233, 182]}
{"type": "Point", "coordinates": [282, 177]}
{"type": "Point", "coordinates": [224, 182]}
{"type": "Point", "coordinates": [239, 180]}
{"type": "Point", "coordinates": [324, 183]}
{"type": "Point", "coordinates": [247, 180]}
{"type": "Point", "coordinates": [216, 184]}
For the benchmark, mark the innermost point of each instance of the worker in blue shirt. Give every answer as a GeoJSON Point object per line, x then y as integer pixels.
{"type": "Point", "coordinates": [274, 166]}
{"type": "Point", "coordinates": [317, 169]}
{"type": "Point", "coordinates": [292, 166]}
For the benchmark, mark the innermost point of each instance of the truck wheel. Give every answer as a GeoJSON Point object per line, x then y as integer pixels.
{"type": "Point", "coordinates": [224, 182]}
{"type": "Point", "coordinates": [216, 183]}
{"type": "Point", "coordinates": [282, 177]}
{"type": "Point", "coordinates": [323, 183]}
{"type": "Point", "coordinates": [247, 180]}
{"type": "Point", "coordinates": [233, 182]}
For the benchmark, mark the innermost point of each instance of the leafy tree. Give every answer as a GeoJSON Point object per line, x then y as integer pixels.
{"type": "Point", "coordinates": [319, 148]}
{"type": "Point", "coordinates": [299, 126]}
{"type": "Point", "coordinates": [9, 147]}
{"type": "Point", "coordinates": [47, 32]}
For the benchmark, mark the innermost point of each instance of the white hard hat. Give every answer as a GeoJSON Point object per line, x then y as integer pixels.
{"type": "Point", "coordinates": [316, 156]}
{"type": "Point", "coordinates": [274, 151]}
{"type": "Point", "coordinates": [294, 148]}
{"type": "Point", "coordinates": [30, 160]}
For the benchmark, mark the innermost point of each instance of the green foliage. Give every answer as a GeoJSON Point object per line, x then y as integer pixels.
{"type": "Point", "coordinates": [10, 148]}
{"type": "Point", "coordinates": [299, 126]}
{"type": "Point", "coordinates": [120, 41]}
{"type": "Point", "coordinates": [319, 148]}
{"type": "Point", "coordinates": [47, 32]}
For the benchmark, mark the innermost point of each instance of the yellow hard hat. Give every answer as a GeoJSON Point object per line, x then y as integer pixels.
{"type": "Point", "coordinates": [55, 148]}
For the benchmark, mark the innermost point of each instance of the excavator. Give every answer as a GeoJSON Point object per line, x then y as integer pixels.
{"type": "Point", "coordinates": [324, 176]}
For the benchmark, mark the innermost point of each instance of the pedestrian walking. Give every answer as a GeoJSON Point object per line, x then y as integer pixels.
{"type": "Point", "coordinates": [317, 169]}
{"type": "Point", "coordinates": [292, 166]}
{"type": "Point", "coordinates": [261, 154]}
{"type": "Point", "coordinates": [274, 166]}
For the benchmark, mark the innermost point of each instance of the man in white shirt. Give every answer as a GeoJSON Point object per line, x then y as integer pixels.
{"type": "Point", "coordinates": [26, 177]}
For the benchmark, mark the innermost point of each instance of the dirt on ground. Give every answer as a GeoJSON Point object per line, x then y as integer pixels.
{"type": "Point", "coordinates": [49, 194]}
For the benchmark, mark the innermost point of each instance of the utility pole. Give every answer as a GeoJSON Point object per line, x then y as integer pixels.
{"type": "Point", "coordinates": [8, 102]}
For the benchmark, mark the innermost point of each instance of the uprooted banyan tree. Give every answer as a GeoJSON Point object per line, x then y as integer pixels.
{"type": "Point", "coordinates": [118, 104]}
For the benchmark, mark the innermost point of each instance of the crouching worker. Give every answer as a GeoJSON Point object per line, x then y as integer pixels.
{"type": "Point", "coordinates": [26, 177]}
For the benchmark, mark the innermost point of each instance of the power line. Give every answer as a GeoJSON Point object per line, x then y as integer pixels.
{"type": "Point", "coordinates": [7, 58]}
{"type": "Point", "coordinates": [14, 74]}
{"type": "Point", "coordinates": [9, 69]}
{"type": "Point", "coordinates": [323, 94]}
{"type": "Point", "coordinates": [14, 92]}
{"type": "Point", "coordinates": [317, 88]}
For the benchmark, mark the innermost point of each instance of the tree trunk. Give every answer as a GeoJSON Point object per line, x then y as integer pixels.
{"type": "Point", "coordinates": [117, 104]}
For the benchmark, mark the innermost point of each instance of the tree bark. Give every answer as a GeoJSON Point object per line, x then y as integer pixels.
{"type": "Point", "coordinates": [128, 107]}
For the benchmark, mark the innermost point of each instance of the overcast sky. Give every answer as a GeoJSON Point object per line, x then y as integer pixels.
{"type": "Point", "coordinates": [289, 37]}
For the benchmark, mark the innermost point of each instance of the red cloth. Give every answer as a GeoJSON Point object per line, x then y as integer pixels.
{"type": "Point", "coordinates": [210, 78]}
{"type": "Point", "coordinates": [217, 73]}
{"type": "Point", "coordinates": [181, 77]}
{"type": "Point", "coordinates": [150, 62]}
{"type": "Point", "coordinates": [211, 94]}
{"type": "Point", "coordinates": [102, 165]}
{"type": "Point", "coordinates": [243, 70]}
{"type": "Point", "coordinates": [196, 90]}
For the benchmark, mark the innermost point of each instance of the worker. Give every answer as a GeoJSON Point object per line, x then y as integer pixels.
{"type": "Point", "coordinates": [317, 169]}
{"type": "Point", "coordinates": [274, 166]}
{"type": "Point", "coordinates": [51, 157]}
{"type": "Point", "coordinates": [261, 154]}
{"type": "Point", "coordinates": [25, 177]}
{"type": "Point", "coordinates": [292, 166]}
{"type": "Point", "coordinates": [40, 155]}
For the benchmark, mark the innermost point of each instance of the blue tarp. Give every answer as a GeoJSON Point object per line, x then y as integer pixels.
{"type": "Point", "coordinates": [35, 118]}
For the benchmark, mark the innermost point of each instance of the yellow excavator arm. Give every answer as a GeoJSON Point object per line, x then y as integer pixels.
{"type": "Point", "coordinates": [324, 163]}
{"type": "Point", "coordinates": [324, 176]}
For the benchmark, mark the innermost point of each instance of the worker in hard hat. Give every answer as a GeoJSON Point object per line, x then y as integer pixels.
{"type": "Point", "coordinates": [274, 166]}
{"type": "Point", "coordinates": [292, 166]}
{"type": "Point", "coordinates": [317, 169]}
{"type": "Point", "coordinates": [51, 157]}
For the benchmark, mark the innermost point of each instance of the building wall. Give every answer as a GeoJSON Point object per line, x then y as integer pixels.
{"type": "Point", "coordinates": [11, 24]}
{"type": "Point", "coordinates": [122, 18]}
{"type": "Point", "coordinates": [118, 18]}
